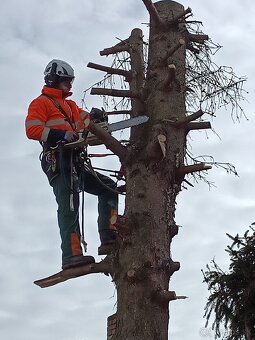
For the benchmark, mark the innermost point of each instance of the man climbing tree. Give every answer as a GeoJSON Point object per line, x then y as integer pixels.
{"type": "Point", "coordinates": [55, 120]}
{"type": "Point", "coordinates": [175, 87]}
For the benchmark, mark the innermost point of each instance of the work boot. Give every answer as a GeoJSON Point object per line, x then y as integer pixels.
{"type": "Point", "coordinates": [107, 247]}
{"type": "Point", "coordinates": [77, 261]}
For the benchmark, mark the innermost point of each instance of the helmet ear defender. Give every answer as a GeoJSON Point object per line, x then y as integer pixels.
{"type": "Point", "coordinates": [52, 78]}
{"type": "Point", "coordinates": [55, 70]}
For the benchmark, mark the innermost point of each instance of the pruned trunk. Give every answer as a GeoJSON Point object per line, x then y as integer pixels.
{"type": "Point", "coordinates": [143, 266]}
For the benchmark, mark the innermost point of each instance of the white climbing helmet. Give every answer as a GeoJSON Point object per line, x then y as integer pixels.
{"type": "Point", "coordinates": [57, 69]}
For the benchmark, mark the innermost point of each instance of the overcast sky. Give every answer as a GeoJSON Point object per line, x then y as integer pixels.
{"type": "Point", "coordinates": [33, 32]}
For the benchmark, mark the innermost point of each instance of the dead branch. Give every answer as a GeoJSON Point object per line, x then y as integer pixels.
{"type": "Point", "coordinates": [193, 49]}
{"type": "Point", "coordinates": [198, 38]}
{"type": "Point", "coordinates": [122, 42]}
{"type": "Point", "coordinates": [110, 142]}
{"type": "Point", "coordinates": [164, 296]}
{"type": "Point", "coordinates": [111, 70]}
{"type": "Point", "coordinates": [153, 12]}
{"type": "Point", "coordinates": [198, 126]}
{"type": "Point", "coordinates": [183, 170]}
{"type": "Point", "coordinates": [180, 16]}
{"type": "Point", "coordinates": [112, 92]}
{"type": "Point", "coordinates": [212, 86]}
{"type": "Point", "coordinates": [188, 119]}
{"type": "Point", "coordinates": [115, 49]}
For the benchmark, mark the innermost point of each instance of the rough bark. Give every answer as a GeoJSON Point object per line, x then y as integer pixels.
{"type": "Point", "coordinates": [142, 265]}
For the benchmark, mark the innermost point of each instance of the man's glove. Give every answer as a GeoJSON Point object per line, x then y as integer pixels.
{"type": "Point", "coordinates": [71, 136]}
{"type": "Point", "coordinates": [98, 116]}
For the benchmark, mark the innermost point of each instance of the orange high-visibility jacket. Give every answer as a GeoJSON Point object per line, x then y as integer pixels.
{"type": "Point", "coordinates": [46, 123]}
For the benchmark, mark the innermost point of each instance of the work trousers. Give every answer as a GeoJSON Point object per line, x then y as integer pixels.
{"type": "Point", "coordinates": [68, 217]}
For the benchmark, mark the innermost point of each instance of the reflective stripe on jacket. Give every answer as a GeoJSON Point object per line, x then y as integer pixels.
{"type": "Point", "coordinates": [46, 123]}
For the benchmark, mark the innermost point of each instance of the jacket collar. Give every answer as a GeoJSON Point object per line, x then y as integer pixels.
{"type": "Point", "coordinates": [55, 93]}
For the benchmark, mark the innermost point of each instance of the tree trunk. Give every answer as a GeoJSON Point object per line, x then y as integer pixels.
{"type": "Point", "coordinates": [142, 265]}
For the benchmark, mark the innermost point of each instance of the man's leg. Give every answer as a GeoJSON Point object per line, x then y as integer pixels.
{"type": "Point", "coordinates": [107, 204]}
{"type": "Point", "coordinates": [68, 221]}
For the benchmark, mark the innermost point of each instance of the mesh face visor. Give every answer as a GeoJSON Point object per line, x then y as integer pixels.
{"type": "Point", "coordinates": [66, 79]}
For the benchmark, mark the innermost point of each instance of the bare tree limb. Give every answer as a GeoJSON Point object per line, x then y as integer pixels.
{"type": "Point", "coordinates": [153, 12]}
{"type": "Point", "coordinates": [164, 296]}
{"type": "Point", "coordinates": [189, 118]}
{"type": "Point", "coordinates": [111, 70]}
{"type": "Point", "coordinates": [115, 49]}
{"type": "Point", "coordinates": [113, 92]}
{"type": "Point", "coordinates": [198, 38]}
{"type": "Point", "coordinates": [198, 126]}
{"type": "Point", "coordinates": [193, 49]}
{"type": "Point", "coordinates": [110, 142]}
{"type": "Point", "coordinates": [122, 42]}
{"type": "Point", "coordinates": [183, 170]}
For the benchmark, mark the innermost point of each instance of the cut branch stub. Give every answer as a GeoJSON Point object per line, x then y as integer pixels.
{"type": "Point", "coordinates": [176, 19]}
{"type": "Point", "coordinates": [154, 146]}
{"type": "Point", "coordinates": [135, 275]}
{"type": "Point", "coordinates": [183, 170]}
{"type": "Point", "coordinates": [198, 126]}
{"type": "Point", "coordinates": [197, 38]}
{"type": "Point", "coordinates": [174, 266]}
{"type": "Point", "coordinates": [116, 49]}
{"type": "Point", "coordinates": [189, 118]}
{"type": "Point", "coordinates": [162, 144]}
{"type": "Point", "coordinates": [163, 297]}
{"type": "Point", "coordinates": [110, 70]}
{"type": "Point", "coordinates": [174, 229]}
{"type": "Point", "coordinates": [113, 92]}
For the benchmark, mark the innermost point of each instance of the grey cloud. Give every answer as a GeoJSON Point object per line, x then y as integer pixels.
{"type": "Point", "coordinates": [32, 32]}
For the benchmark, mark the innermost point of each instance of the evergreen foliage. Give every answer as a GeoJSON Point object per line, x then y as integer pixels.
{"type": "Point", "coordinates": [232, 294]}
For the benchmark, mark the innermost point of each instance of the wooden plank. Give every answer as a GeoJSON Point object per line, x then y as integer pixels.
{"type": "Point", "coordinates": [65, 275]}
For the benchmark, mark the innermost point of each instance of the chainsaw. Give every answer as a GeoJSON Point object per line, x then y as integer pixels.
{"type": "Point", "coordinates": [100, 118]}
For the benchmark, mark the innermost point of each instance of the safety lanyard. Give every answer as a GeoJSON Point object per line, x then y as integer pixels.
{"type": "Point", "coordinates": [60, 108]}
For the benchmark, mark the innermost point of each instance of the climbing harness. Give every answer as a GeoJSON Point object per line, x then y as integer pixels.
{"type": "Point", "coordinates": [58, 106]}
{"type": "Point", "coordinates": [79, 164]}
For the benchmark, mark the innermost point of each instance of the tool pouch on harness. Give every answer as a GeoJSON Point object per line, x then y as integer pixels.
{"type": "Point", "coordinates": [50, 164]}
